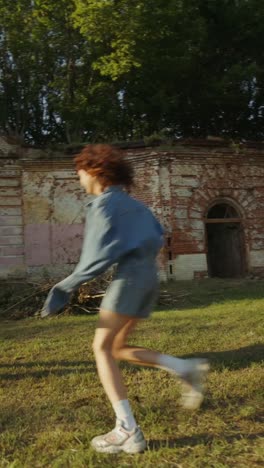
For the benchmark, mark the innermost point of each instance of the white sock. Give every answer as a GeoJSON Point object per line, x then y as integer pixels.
{"type": "Point", "coordinates": [173, 364]}
{"type": "Point", "coordinates": [124, 414]}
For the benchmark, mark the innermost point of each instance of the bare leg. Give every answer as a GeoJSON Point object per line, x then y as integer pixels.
{"type": "Point", "coordinates": [134, 354]}
{"type": "Point", "coordinates": [126, 436]}
{"type": "Point", "coordinates": [110, 345]}
{"type": "Point", "coordinates": [109, 326]}
{"type": "Point", "coordinates": [191, 371]}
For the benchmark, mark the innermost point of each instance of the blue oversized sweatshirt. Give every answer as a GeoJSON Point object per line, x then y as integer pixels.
{"type": "Point", "coordinates": [117, 226]}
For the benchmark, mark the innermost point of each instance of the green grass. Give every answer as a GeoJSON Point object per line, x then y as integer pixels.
{"type": "Point", "coordinates": [52, 404]}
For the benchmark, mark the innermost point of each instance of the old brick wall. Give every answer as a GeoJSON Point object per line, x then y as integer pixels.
{"type": "Point", "coordinates": [41, 206]}
{"type": "Point", "coordinates": [182, 184]}
{"type": "Point", "coordinates": [12, 260]}
{"type": "Point", "coordinates": [147, 189]}
{"type": "Point", "coordinates": [53, 217]}
{"type": "Point", "coordinates": [54, 214]}
{"type": "Point", "coordinates": [11, 222]}
{"type": "Point", "coordinates": [200, 178]}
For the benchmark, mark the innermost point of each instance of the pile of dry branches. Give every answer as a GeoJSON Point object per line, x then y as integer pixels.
{"type": "Point", "coordinates": [21, 302]}
{"type": "Point", "coordinates": [89, 296]}
{"type": "Point", "coordinates": [26, 299]}
{"type": "Point", "coordinates": [168, 299]}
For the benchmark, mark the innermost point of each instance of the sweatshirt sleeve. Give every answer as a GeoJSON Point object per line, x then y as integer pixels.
{"type": "Point", "coordinates": [101, 248]}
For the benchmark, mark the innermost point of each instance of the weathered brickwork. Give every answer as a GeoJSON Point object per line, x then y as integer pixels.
{"type": "Point", "coordinates": [182, 188]}
{"type": "Point", "coordinates": [41, 214]}
{"type": "Point", "coordinates": [12, 259]}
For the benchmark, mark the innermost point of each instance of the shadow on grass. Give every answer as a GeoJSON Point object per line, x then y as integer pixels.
{"type": "Point", "coordinates": [58, 368]}
{"type": "Point", "coordinates": [234, 358]}
{"type": "Point", "coordinates": [199, 294]}
{"type": "Point", "coordinates": [199, 439]}
{"type": "Point", "coordinates": [231, 359]}
{"type": "Point", "coordinates": [50, 364]}
{"type": "Point", "coordinates": [22, 330]}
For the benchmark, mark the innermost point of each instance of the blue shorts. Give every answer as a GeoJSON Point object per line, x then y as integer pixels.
{"type": "Point", "coordinates": [134, 289]}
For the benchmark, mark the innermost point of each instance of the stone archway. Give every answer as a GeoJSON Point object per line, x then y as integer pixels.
{"type": "Point", "coordinates": [225, 241]}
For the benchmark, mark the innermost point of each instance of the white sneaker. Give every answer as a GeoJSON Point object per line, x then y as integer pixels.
{"type": "Point", "coordinates": [120, 440]}
{"type": "Point", "coordinates": [193, 384]}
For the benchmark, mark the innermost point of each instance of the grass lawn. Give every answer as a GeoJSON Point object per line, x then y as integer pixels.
{"type": "Point", "coordinates": [52, 404]}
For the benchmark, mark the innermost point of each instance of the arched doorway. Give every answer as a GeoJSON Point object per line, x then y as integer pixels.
{"type": "Point", "coordinates": [225, 241]}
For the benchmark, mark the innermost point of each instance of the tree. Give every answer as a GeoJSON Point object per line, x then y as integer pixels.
{"type": "Point", "coordinates": [90, 70]}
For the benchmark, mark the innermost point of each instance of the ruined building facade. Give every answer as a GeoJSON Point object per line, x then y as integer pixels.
{"type": "Point", "coordinates": [209, 196]}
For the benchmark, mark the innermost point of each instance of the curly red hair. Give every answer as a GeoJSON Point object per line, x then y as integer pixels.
{"type": "Point", "coordinates": [107, 163]}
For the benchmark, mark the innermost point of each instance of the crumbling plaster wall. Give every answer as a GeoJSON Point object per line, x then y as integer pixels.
{"type": "Point", "coordinates": [42, 215]}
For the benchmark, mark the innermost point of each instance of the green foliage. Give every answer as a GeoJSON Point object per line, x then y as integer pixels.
{"type": "Point", "coordinates": [113, 26]}
{"type": "Point", "coordinates": [78, 70]}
